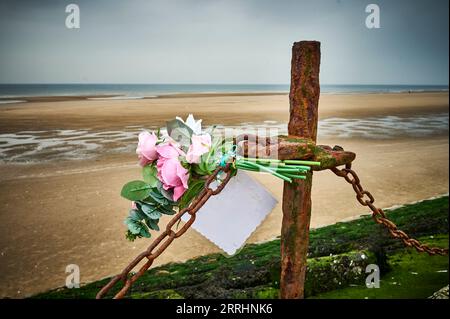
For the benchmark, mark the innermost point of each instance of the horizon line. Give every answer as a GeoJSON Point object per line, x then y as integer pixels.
{"type": "Point", "coordinates": [175, 83]}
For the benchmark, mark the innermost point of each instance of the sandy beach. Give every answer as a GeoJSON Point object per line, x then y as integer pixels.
{"type": "Point", "coordinates": [226, 109]}
{"type": "Point", "coordinates": [64, 161]}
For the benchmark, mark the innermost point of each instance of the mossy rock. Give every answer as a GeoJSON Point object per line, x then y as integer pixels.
{"type": "Point", "coordinates": [334, 272]}
{"type": "Point", "coordinates": [266, 293]}
{"type": "Point", "coordinates": [159, 294]}
{"type": "Point", "coordinates": [255, 271]}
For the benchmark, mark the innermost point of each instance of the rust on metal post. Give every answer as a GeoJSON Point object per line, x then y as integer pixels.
{"type": "Point", "coordinates": [281, 147]}
{"type": "Point", "coordinates": [304, 101]}
{"type": "Point", "coordinates": [305, 89]}
{"type": "Point", "coordinates": [289, 147]}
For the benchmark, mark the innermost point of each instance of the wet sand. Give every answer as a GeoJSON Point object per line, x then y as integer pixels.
{"type": "Point", "coordinates": [69, 212]}
{"type": "Point", "coordinates": [213, 109]}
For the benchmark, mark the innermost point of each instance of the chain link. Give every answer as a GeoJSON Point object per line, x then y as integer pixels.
{"type": "Point", "coordinates": [160, 244]}
{"type": "Point", "coordinates": [365, 198]}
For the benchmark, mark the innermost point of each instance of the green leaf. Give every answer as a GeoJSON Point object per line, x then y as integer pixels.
{"type": "Point", "coordinates": [194, 188]}
{"type": "Point", "coordinates": [167, 209]}
{"type": "Point", "coordinates": [169, 212]}
{"type": "Point", "coordinates": [150, 210]}
{"type": "Point", "coordinates": [208, 161]}
{"type": "Point", "coordinates": [174, 124]}
{"type": "Point", "coordinates": [182, 136]}
{"type": "Point", "coordinates": [133, 226]}
{"type": "Point", "coordinates": [136, 215]}
{"type": "Point", "coordinates": [166, 193]}
{"type": "Point", "coordinates": [150, 174]}
{"type": "Point", "coordinates": [135, 190]}
{"type": "Point", "coordinates": [152, 223]}
{"type": "Point", "coordinates": [136, 227]}
{"type": "Point", "coordinates": [156, 197]}
{"type": "Point", "coordinates": [130, 236]}
{"type": "Point", "coordinates": [179, 131]}
{"type": "Point", "coordinates": [145, 232]}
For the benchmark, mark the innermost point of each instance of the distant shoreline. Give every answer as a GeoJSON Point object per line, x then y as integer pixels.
{"type": "Point", "coordinates": [108, 113]}
{"type": "Point", "coordinates": [66, 98]}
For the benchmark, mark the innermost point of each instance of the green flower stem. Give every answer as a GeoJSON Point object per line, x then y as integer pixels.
{"type": "Point", "coordinates": [252, 166]}
{"type": "Point", "coordinates": [281, 168]}
{"type": "Point", "coordinates": [262, 160]}
{"type": "Point", "coordinates": [277, 170]}
{"type": "Point", "coordinates": [270, 160]}
{"type": "Point", "coordinates": [295, 176]}
{"type": "Point", "coordinates": [262, 163]}
{"type": "Point", "coordinates": [243, 164]}
{"type": "Point", "coordinates": [279, 165]}
{"type": "Point", "coordinates": [272, 163]}
{"type": "Point", "coordinates": [247, 168]}
{"type": "Point", "coordinates": [310, 163]}
{"type": "Point", "coordinates": [288, 169]}
{"type": "Point", "coordinates": [305, 168]}
{"type": "Point", "coordinates": [278, 174]}
{"type": "Point", "coordinates": [284, 172]}
{"type": "Point", "coordinates": [255, 167]}
{"type": "Point", "coordinates": [271, 171]}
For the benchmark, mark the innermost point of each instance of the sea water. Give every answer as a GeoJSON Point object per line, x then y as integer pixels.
{"type": "Point", "coordinates": [130, 91]}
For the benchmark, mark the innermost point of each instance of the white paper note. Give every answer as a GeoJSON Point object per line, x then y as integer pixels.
{"type": "Point", "coordinates": [229, 218]}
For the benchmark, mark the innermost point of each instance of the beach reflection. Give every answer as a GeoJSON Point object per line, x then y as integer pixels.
{"type": "Point", "coordinates": [53, 145]}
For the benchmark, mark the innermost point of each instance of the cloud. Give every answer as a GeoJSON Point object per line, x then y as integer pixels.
{"type": "Point", "coordinates": [221, 41]}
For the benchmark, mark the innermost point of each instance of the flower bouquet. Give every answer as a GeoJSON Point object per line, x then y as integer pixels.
{"type": "Point", "coordinates": [176, 162]}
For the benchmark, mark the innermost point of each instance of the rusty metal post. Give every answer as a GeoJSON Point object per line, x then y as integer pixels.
{"type": "Point", "coordinates": [304, 101]}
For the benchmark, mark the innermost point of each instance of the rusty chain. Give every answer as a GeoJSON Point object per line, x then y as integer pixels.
{"type": "Point", "coordinates": [160, 244]}
{"type": "Point", "coordinates": [365, 198]}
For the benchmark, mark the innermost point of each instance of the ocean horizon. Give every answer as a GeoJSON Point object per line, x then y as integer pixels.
{"type": "Point", "coordinates": [137, 91]}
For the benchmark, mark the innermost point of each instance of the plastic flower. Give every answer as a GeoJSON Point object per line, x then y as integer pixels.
{"type": "Point", "coordinates": [196, 126]}
{"type": "Point", "coordinates": [146, 148]}
{"type": "Point", "coordinates": [170, 171]}
{"type": "Point", "coordinates": [168, 150]}
{"type": "Point", "coordinates": [201, 144]}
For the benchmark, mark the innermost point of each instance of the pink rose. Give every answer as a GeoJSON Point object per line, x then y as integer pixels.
{"type": "Point", "coordinates": [146, 148]}
{"type": "Point", "coordinates": [201, 144]}
{"type": "Point", "coordinates": [170, 171]}
{"type": "Point", "coordinates": [168, 151]}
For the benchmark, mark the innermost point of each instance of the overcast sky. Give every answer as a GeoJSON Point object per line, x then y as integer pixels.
{"type": "Point", "coordinates": [221, 41]}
